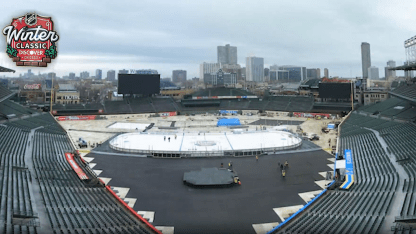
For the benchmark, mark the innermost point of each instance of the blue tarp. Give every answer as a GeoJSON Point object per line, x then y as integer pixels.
{"type": "Point", "coordinates": [228, 122]}
{"type": "Point", "coordinates": [331, 126]}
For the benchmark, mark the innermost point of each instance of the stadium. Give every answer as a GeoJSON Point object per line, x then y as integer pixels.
{"type": "Point", "coordinates": [359, 177]}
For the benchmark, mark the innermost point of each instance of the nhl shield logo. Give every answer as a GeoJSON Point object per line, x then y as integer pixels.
{"type": "Point", "coordinates": [31, 19]}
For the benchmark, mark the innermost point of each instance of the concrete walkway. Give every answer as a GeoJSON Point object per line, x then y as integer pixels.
{"type": "Point", "coordinates": [398, 199]}
{"type": "Point", "coordinates": [34, 188]}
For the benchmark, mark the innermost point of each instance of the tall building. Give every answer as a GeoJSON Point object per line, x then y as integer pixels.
{"type": "Point", "coordinates": [296, 73]}
{"type": "Point", "coordinates": [178, 76]}
{"type": "Point", "coordinates": [51, 75]}
{"type": "Point", "coordinates": [220, 78]}
{"type": "Point", "coordinates": [266, 73]}
{"type": "Point", "coordinates": [147, 71]}
{"type": "Point", "coordinates": [274, 67]}
{"type": "Point", "coordinates": [365, 58]}
{"type": "Point", "coordinates": [311, 73]}
{"type": "Point", "coordinates": [255, 69]}
{"type": "Point", "coordinates": [390, 73]}
{"type": "Point", "coordinates": [84, 75]}
{"type": "Point", "coordinates": [208, 68]}
{"type": "Point", "coordinates": [98, 74]}
{"type": "Point", "coordinates": [326, 73]}
{"type": "Point", "coordinates": [373, 73]}
{"type": "Point", "coordinates": [111, 75]}
{"type": "Point", "coordinates": [124, 71]}
{"type": "Point", "coordinates": [227, 54]}
{"type": "Point", "coordinates": [318, 73]}
{"type": "Point", "coordinates": [71, 76]}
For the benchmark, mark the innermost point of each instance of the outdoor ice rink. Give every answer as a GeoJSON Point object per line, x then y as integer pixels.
{"type": "Point", "coordinates": [205, 142]}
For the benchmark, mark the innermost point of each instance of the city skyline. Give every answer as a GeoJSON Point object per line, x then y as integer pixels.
{"type": "Point", "coordinates": [167, 40]}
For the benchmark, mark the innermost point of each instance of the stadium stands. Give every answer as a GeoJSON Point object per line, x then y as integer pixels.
{"type": "Point", "coordinates": [72, 206]}
{"type": "Point", "coordinates": [405, 91]}
{"type": "Point", "coordinates": [4, 93]}
{"type": "Point", "coordinates": [9, 109]}
{"type": "Point", "coordinates": [117, 107]}
{"type": "Point", "coordinates": [393, 108]}
{"type": "Point", "coordinates": [14, 181]}
{"type": "Point", "coordinates": [163, 104]}
{"type": "Point", "coordinates": [363, 208]}
{"type": "Point", "coordinates": [221, 91]}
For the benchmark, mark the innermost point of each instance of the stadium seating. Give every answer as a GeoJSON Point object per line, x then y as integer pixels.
{"type": "Point", "coordinates": [71, 205]}
{"type": "Point", "coordinates": [163, 104]}
{"type": "Point", "coordinates": [117, 107]}
{"type": "Point", "coordinates": [4, 92]}
{"type": "Point", "coordinates": [9, 109]}
{"type": "Point", "coordinates": [401, 140]}
{"type": "Point", "coordinates": [300, 104]}
{"type": "Point", "coordinates": [405, 91]}
{"type": "Point", "coordinates": [14, 181]}
{"type": "Point", "coordinates": [363, 208]}
{"type": "Point", "coordinates": [221, 91]}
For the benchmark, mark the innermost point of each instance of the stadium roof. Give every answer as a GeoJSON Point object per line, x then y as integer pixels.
{"type": "Point", "coordinates": [3, 69]}
{"type": "Point", "coordinates": [406, 67]}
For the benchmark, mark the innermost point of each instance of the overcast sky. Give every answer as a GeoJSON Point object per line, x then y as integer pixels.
{"type": "Point", "coordinates": [170, 35]}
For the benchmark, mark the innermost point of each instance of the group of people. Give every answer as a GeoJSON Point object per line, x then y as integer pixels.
{"type": "Point", "coordinates": [283, 167]}
{"type": "Point", "coordinates": [164, 138]}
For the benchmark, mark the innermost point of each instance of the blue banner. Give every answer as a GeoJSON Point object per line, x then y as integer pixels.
{"type": "Point", "coordinates": [227, 112]}
{"type": "Point", "coordinates": [349, 170]}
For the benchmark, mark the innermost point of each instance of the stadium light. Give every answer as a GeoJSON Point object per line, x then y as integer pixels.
{"type": "Point", "coordinates": [410, 49]}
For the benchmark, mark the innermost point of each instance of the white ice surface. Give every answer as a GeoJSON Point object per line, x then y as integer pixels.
{"type": "Point", "coordinates": [139, 126]}
{"type": "Point", "coordinates": [186, 142]}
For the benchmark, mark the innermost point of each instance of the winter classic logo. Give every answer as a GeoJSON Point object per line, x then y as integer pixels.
{"type": "Point", "coordinates": [31, 40]}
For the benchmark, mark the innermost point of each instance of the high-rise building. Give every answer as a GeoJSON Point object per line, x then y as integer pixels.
{"type": "Point", "coordinates": [208, 68]}
{"type": "Point", "coordinates": [98, 74]}
{"type": "Point", "coordinates": [227, 54]}
{"type": "Point", "coordinates": [274, 67]}
{"type": "Point", "coordinates": [51, 75]}
{"type": "Point", "coordinates": [71, 76]}
{"type": "Point", "coordinates": [111, 75]}
{"type": "Point", "coordinates": [390, 73]}
{"type": "Point", "coordinates": [124, 71]}
{"type": "Point", "coordinates": [255, 69]}
{"type": "Point", "coordinates": [146, 71]}
{"type": "Point", "coordinates": [326, 73]}
{"type": "Point", "coordinates": [365, 58]}
{"type": "Point", "coordinates": [296, 73]}
{"type": "Point", "coordinates": [311, 73]}
{"type": "Point", "coordinates": [178, 76]}
{"type": "Point", "coordinates": [84, 75]}
{"type": "Point", "coordinates": [318, 73]}
{"type": "Point", "coordinates": [266, 73]}
{"type": "Point", "coordinates": [220, 78]}
{"type": "Point", "coordinates": [373, 73]}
